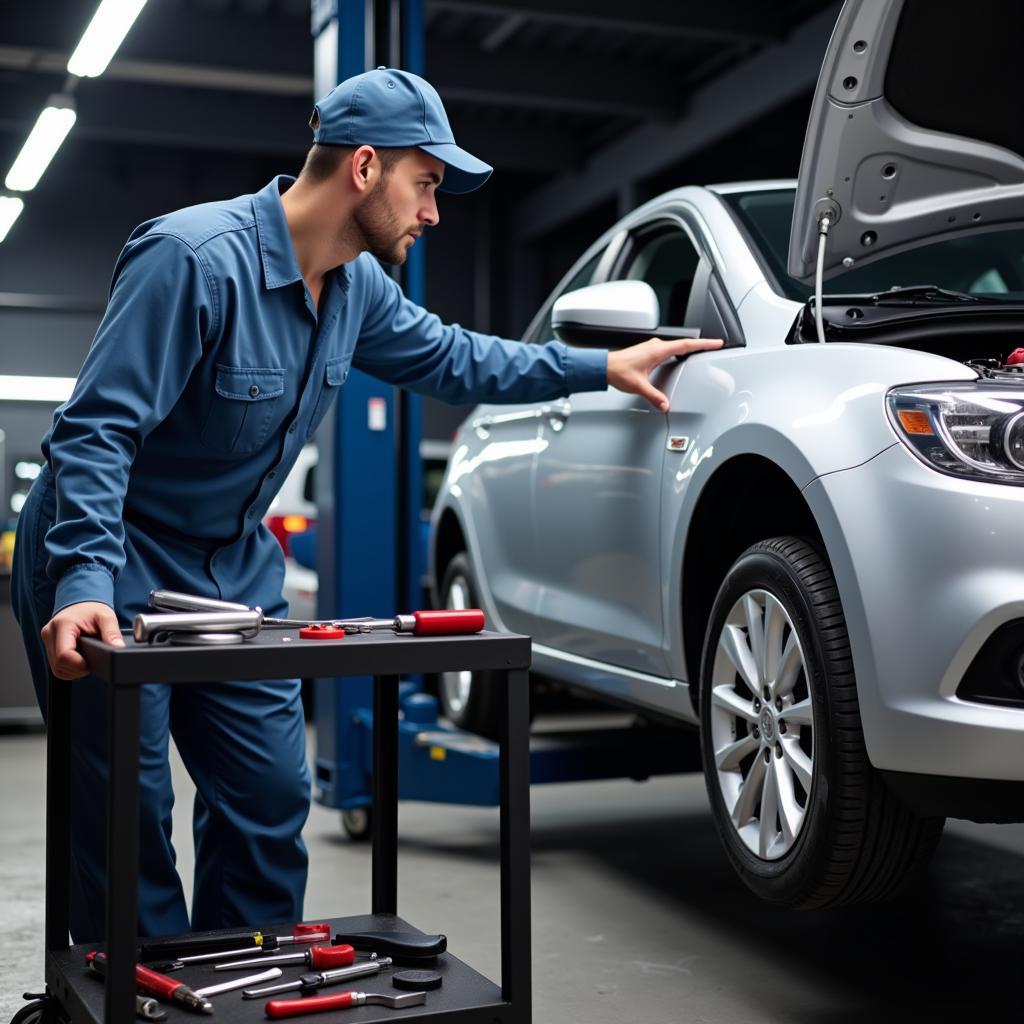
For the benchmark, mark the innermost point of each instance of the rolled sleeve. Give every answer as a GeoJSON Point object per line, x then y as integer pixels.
{"type": "Point", "coordinates": [160, 311]}
{"type": "Point", "coordinates": [586, 369]}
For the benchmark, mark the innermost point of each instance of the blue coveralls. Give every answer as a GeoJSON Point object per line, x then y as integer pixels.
{"type": "Point", "coordinates": [210, 370]}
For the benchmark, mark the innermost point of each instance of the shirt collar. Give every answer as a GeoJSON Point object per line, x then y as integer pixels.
{"type": "Point", "coordinates": [280, 267]}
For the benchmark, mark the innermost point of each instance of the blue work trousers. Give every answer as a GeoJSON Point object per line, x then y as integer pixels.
{"type": "Point", "coordinates": [243, 743]}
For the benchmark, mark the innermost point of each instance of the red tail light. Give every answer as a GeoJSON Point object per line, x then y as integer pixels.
{"type": "Point", "coordinates": [282, 527]}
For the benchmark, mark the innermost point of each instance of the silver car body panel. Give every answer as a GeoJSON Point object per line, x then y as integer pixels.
{"type": "Point", "coordinates": [928, 567]}
{"type": "Point", "coordinates": [890, 184]}
{"type": "Point", "coordinates": [575, 515]}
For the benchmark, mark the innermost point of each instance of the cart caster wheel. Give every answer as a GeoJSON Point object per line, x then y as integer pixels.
{"type": "Point", "coordinates": [356, 823]}
{"type": "Point", "coordinates": [41, 1009]}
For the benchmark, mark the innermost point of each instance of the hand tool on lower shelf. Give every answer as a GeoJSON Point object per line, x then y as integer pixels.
{"type": "Point", "coordinates": [277, 1008]}
{"type": "Point", "coordinates": [156, 984]}
{"type": "Point", "coordinates": [320, 957]}
{"type": "Point", "coordinates": [236, 983]}
{"type": "Point", "coordinates": [447, 622]}
{"type": "Point", "coordinates": [146, 1007]}
{"type": "Point", "coordinates": [203, 948]}
{"type": "Point", "coordinates": [400, 945]}
{"type": "Point", "coordinates": [311, 982]}
{"type": "Point", "coordinates": [149, 1009]}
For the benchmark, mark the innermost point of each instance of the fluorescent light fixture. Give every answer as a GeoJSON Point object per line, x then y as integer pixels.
{"type": "Point", "coordinates": [35, 389]}
{"type": "Point", "coordinates": [104, 35]}
{"type": "Point", "coordinates": [10, 210]}
{"type": "Point", "coordinates": [43, 142]}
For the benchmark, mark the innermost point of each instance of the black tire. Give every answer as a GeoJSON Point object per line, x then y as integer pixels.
{"type": "Point", "coordinates": [357, 823]}
{"type": "Point", "coordinates": [468, 700]}
{"type": "Point", "coordinates": [855, 842]}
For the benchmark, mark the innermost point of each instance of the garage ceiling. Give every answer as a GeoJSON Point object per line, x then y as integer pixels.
{"type": "Point", "coordinates": [531, 85]}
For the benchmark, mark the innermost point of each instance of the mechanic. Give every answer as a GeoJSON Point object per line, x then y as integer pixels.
{"type": "Point", "coordinates": [229, 329]}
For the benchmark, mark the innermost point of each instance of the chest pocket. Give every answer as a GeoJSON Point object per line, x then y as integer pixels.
{"type": "Point", "coordinates": [246, 404]}
{"type": "Point", "coordinates": [335, 374]}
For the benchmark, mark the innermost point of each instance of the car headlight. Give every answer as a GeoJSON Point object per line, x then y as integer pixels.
{"type": "Point", "coordinates": [973, 430]}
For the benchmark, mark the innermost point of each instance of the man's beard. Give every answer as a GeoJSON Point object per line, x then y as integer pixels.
{"type": "Point", "coordinates": [379, 225]}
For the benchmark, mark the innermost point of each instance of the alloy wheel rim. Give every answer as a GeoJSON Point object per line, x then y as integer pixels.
{"type": "Point", "coordinates": [762, 725]}
{"type": "Point", "coordinates": [457, 685]}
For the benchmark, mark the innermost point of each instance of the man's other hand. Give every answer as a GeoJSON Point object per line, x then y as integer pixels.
{"type": "Point", "coordinates": [629, 369]}
{"type": "Point", "coordinates": [61, 633]}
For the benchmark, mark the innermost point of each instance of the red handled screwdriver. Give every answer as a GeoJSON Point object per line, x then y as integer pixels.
{"type": "Point", "coordinates": [276, 1008]}
{"type": "Point", "coordinates": [318, 957]}
{"type": "Point", "coordinates": [451, 622]}
{"type": "Point", "coordinates": [158, 985]}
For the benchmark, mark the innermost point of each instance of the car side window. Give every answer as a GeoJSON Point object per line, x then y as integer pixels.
{"type": "Point", "coordinates": [542, 331]}
{"type": "Point", "coordinates": [667, 260]}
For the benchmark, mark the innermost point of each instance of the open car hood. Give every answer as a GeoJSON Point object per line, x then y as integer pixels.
{"type": "Point", "coordinates": [915, 132]}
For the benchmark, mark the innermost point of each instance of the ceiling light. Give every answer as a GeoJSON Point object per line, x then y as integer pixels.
{"type": "Point", "coordinates": [43, 142]}
{"type": "Point", "coordinates": [104, 35]}
{"type": "Point", "coordinates": [10, 208]}
{"type": "Point", "coordinates": [35, 389]}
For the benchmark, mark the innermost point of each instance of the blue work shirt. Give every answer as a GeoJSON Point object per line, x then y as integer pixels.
{"type": "Point", "coordinates": [210, 370]}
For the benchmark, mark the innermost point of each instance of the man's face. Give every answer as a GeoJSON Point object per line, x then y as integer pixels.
{"type": "Point", "coordinates": [397, 209]}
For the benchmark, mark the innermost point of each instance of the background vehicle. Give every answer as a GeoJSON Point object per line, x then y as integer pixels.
{"type": "Point", "coordinates": [292, 519]}
{"type": "Point", "coordinates": [810, 558]}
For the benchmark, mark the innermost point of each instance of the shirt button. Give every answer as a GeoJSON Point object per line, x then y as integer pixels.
{"type": "Point", "coordinates": [272, 474]}
{"type": "Point", "coordinates": [252, 512]}
{"type": "Point", "coordinates": [254, 391]}
{"type": "Point", "coordinates": [291, 429]}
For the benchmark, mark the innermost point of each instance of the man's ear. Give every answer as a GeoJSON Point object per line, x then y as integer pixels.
{"type": "Point", "coordinates": [363, 168]}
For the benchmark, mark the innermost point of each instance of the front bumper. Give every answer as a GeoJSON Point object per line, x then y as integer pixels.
{"type": "Point", "coordinates": [928, 567]}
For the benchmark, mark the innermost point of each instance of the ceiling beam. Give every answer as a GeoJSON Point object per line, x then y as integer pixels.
{"type": "Point", "coordinates": [161, 72]}
{"type": "Point", "coordinates": [739, 20]}
{"type": "Point", "coordinates": [751, 90]}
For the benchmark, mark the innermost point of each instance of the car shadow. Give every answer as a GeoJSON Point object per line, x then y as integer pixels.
{"type": "Point", "coordinates": [949, 950]}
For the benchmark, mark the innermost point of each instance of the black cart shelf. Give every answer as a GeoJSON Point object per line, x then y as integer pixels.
{"type": "Point", "coordinates": [465, 996]}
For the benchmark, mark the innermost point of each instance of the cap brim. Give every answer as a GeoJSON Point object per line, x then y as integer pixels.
{"type": "Point", "coordinates": [463, 172]}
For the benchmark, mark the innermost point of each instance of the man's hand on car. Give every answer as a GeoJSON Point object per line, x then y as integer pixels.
{"type": "Point", "coordinates": [61, 633]}
{"type": "Point", "coordinates": [629, 369]}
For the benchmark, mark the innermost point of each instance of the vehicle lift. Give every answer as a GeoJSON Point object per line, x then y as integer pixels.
{"type": "Point", "coordinates": [370, 539]}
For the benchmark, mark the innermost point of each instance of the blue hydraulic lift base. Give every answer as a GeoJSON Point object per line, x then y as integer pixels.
{"type": "Point", "coordinates": [441, 764]}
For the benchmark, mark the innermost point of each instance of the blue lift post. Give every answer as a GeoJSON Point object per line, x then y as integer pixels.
{"type": "Point", "coordinates": [369, 486]}
{"type": "Point", "coordinates": [370, 556]}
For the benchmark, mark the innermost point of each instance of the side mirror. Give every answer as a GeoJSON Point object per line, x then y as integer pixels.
{"type": "Point", "coordinates": [611, 315]}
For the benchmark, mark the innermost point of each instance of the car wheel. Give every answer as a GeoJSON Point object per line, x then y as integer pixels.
{"type": "Point", "coordinates": [805, 819]}
{"type": "Point", "coordinates": [467, 699]}
{"type": "Point", "coordinates": [357, 823]}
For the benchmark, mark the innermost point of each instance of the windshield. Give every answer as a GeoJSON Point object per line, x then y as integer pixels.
{"type": "Point", "coordinates": [989, 265]}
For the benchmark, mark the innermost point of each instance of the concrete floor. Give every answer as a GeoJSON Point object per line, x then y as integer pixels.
{"type": "Point", "coordinates": [636, 915]}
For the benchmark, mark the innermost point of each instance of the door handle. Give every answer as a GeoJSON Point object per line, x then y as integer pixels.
{"type": "Point", "coordinates": [482, 424]}
{"type": "Point", "coordinates": [557, 415]}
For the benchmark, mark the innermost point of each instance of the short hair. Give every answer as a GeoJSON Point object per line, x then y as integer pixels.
{"type": "Point", "coordinates": [324, 159]}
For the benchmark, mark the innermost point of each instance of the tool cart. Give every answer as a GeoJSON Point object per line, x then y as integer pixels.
{"type": "Point", "coordinates": [465, 995]}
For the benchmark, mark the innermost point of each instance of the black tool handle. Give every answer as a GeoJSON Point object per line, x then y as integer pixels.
{"type": "Point", "coordinates": [400, 945]}
{"type": "Point", "coordinates": [187, 945]}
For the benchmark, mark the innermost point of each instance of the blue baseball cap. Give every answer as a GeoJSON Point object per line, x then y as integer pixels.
{"type": "Point", "coordinates": [396, 109]}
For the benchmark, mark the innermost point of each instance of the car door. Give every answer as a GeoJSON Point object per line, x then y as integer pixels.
{"type": "Point", "coordinates": [597, 490]}
{"type": "Point", "coordinates": [498, 465]}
